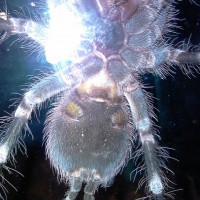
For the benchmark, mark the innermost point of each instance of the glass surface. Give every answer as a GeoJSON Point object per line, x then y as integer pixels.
{"type": "Point", "coordinates": [179, 119]}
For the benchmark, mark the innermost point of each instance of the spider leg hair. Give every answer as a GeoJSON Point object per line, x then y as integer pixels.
{"type": "Point", "coordinates": [40, 92]}
{"type": "Point", "coordinates": [23, 27]}
{"type": "Point", "coordinates": [187, 58]}
{"type": "Point", "coordinates": [11, 127]}
{"type": "Point", "coordinates": [152, 162]}
{"type": "Point", "coordinates": [164, 59]}
{"type": "Point", "coordinates": [75, 187]}
{"type": "Point", "coordinates": [89, 190]}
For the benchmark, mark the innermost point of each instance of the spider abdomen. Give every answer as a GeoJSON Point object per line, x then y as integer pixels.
{"type": "Point", "coordinates": [89, 134]}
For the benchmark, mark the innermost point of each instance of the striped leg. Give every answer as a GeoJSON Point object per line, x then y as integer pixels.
{"type": "Point", "coordinates": [89, 190]}
{"type": "Point", "coordinates": [25, 27]}
{"type": "Point", "coordinates": [141, 114]}
{"type": "Point", "coordinates": [75, 187]}
{"type": "Point", "coordinates": [11, 137]}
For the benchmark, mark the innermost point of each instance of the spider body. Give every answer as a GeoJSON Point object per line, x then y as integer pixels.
{"type": "Point", "coordinates": [96, 124]}
{"type": "Point", "coordinates": [88, 118]}
{"type": "Point", "coordinates": [103, 107]}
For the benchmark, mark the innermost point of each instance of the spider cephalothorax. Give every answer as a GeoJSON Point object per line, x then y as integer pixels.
{"type": "Point", "coordinates": [102, 107]}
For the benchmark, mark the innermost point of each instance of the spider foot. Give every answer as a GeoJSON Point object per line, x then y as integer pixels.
{"type": "Point", "coordinates": [75, 187]}
{"type": "Point", "coordinates": [89, 190]}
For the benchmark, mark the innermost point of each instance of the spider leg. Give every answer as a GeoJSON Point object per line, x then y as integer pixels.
{"type": "Point", "coordinates": [179, 56]}
{"type": "Point", "coordinates": [75, 187]}
{"type": "Point", "coordinates": [159, 60]}
{"type": "Point", "coordinates": [188, 61]}
{"type": "Point", "coordinates": [141, 115]}
{"type": "Point", "coordinates": [25, 27]}
{"type": "Point", "coordinates": [11, 137]}
{"type": "Point", "coordinates": [89, 190]}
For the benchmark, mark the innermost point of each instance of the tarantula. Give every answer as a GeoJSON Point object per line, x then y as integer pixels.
{"type": "Point", "coordinates": [99, 51]}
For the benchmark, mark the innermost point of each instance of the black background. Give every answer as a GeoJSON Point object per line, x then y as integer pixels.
{"type": "Point", "coordinates": [179, 119]}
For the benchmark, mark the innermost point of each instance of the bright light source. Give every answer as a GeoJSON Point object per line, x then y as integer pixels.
{"type": "Point", "coordinates": [63, 35]}
{"type": "Point", "coordinates": [4, 150]}
{"type": "Point", "coordinates": [33, 4]}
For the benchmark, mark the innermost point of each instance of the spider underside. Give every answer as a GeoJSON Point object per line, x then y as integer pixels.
{"type": "Point", "coordinates": [102, 106]}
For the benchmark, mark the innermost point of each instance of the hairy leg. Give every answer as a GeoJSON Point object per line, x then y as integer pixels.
{"type": "Point", "coordinates": [26, 27]}
{"type": "Point", "coordinates": [75, 187]}
{"type": "Point", "coordinates": [142, 114]}
{"type": "Point", "coordinates": [89, 190]}
{"type": "Point", "coordinates": [11, 136]}
{"type": "Point", "coordinates": [179, 56]}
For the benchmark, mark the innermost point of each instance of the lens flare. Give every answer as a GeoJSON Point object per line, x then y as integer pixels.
{"type": "Point", "coordinates": [64, 34]}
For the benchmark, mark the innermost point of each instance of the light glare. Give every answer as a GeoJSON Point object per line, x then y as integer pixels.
{"type": "Point", "coordinates": [64, 34]}
{"type": "Point", "coordinates": [3, 153]}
